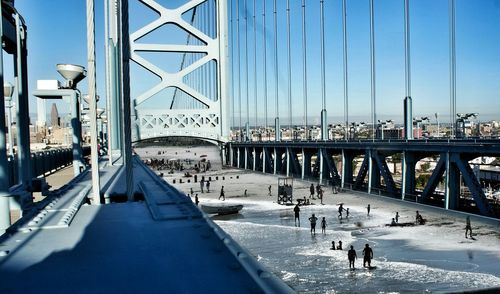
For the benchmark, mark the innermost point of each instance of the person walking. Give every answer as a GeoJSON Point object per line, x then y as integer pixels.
{"type": "Point", "coordinates": [296, 210]}
{"type": "Point", "coordinates": [202, 184]}
{"type": "Point", "coordinates": [222, 194]}
{"type": "Point", "coordinates": [368, 209]}
{"type": "Point", "coordinates": [313, 220]}
{"type": "Point", "coordinates": [323, 225]}
{"type": "Point", "coordinates": [468, 227]}
{"type": "Point", "coordinates": [208, 186]}
{"type": "Point", "coordinates": [269, 189]}
{"type": "Point", "coordinates": [196, 200]}
{"type": "Point", "coordinates": [351, 255]}
{"type": "Point", "coordinates": [311, 189]}
{"type": "Point", "coordinates": [367, 256]}
{"type": "Point", "coordinates": [397, 217]}
{"type": "Point", "coordinates": [341, 208]}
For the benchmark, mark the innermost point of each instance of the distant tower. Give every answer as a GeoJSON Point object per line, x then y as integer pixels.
{"type": "Point", "coordinates": [54, 116]}
{"type": "Point", "coordinates": [41, 112]}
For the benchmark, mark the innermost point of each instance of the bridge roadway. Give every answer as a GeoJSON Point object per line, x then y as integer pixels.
{"type": "Point", "coordinates": [160, 243]}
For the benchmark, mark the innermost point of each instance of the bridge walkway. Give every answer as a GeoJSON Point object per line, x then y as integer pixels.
{"type": "Point", "coordinates": [162, 244]}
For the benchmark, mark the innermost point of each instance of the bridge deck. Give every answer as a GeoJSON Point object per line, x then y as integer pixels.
{"type": "Point", "coordinates": [127, 247]}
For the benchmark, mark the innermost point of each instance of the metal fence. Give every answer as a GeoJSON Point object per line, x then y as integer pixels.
{"type": "Point", "coordinates": [43, 162]}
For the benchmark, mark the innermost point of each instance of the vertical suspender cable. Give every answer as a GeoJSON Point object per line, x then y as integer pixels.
{"type": "Point", "coordinates": [255, 61]}
{"type": "Point", "coordinates": [232, 63]}
{"type": "Point", "coordinates": [407, 50]}
{"type": "Point", "coordinates": [246, 73]}
{"type": "Point", "coordinates": [372, 64]}
{"type": "Point", "coordinates": [264, 45]}
{"type": "Point", "coordinates": [304, 65]}
{"type": "Point", "coordinates": [408, 101]}
{"type": "Point", "coordinates": [289, 53]}
{"type": "Point", "coordinates": [96, 191]}
{"type": "Point", "coordinates": [239, 65]}
{"type": "Point", "coordinates": [346, 78]}
{"type": "Point", "coordinates": [277, 127]}
{"type": "Point", "coordinates": [453, 73]}
{"type": "Point", "coordinates": [322, 39]}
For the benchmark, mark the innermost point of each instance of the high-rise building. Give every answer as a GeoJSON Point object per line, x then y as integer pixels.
{"type": "Point", "coordinates": [41, 112]}
{"type": "Point", "coordinates": [54, 117]}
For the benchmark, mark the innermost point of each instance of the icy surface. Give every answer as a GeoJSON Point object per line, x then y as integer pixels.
{"type": "Point", "coordinates": [435, 257]}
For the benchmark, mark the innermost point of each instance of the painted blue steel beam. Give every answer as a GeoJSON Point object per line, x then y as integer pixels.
{"type": "Point", "coordinates": [473, 147]}
{"type": "Point", "coordinates": [163, 244]}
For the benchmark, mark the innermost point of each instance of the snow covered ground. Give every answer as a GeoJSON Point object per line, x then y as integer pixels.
{"type": "Point", "coordinates": [434, 257]}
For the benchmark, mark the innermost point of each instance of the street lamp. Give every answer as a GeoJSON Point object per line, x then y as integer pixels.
{"type": "Point", "coordinates": [382, 124]}
{"type": "Point", "coordinates": [8, 90]}
{"type": "Point", "coordinates": [50, 89]}
{"type": "Point", "coordinates": [417, 121]}
{"type": "Point", "coordinates": [354, 126]}
{"type": "Point", "coordinates": [461, 118]}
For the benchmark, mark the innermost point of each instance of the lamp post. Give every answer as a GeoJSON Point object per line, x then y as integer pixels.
{"type": "Point", "coordinates": [8, 90]}
{"type": "Point", "coordinates": [436, 115]}
{"type": "Point", "coordinates": [460, 122]}
{"type": "Point", "coordinates": [382, 124]}
{"type": "Point", "coordinates": [52, 90]}
{"type": "Point", "coordinates": [417, 121]}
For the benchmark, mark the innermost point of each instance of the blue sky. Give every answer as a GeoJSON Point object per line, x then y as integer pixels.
{"type": "Point", "coordinates": [57, 34]}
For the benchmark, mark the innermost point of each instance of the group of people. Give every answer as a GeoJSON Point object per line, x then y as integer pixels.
{"type": "Point", "coordinates": [341, 209]}
{"type": "Point", "coordinates": [352, 255]}
{"type": "Point", "coordinates": [313, 219]}
{"type": "Point", "coordinates": [318, 190]}
{"type": "Point", "coordinates": [203, 184]}
{"type": "Point", "coordinates": [339, 247]}
{"type": "Point", "coordinates": [367, 256]}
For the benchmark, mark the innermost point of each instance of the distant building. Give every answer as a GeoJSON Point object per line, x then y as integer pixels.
{"type": "Point", "coordinates": [41, 120]}
{"type": "Point", "coordinates": [54, 117]}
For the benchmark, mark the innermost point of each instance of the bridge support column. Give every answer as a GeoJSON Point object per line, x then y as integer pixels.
{"type": "Point", "coordinates": [452, 184]}
{"type": "Point", "coordinates": [264, 154]}
{"type": "Point", "coordinates": [347, 170]}
{"type": "Point", "coordinates": [231, 155]}
{"type": "Point", "coordinates": [321, 166]}
{"type": "Point", "coordinates": [408, 177]}
{"type": "Point", "coordinates": [370, 171]}
{"type": "Point", "coordinates": [275, 161]}
{"type": "Point", "coordinates": [279, 161]}
{"type": "Point", "coordinates": [288, 158]}
{"type": "Point", "coordinates": [375, 175]}
{"type": "Point", "coordinates": [303, 164]}
{"type": "Point", "coordinates": [246, 158]}
{"type": "Point", "coordinates": [306, 164]}
{"type": "Point", "coordinates": [23, 132]}
{"type": "Point", "coordinates": [238, 158]}
{"type": "Point", "coordinates": [4, 174]}
{"type": "Point", "coordinates": [254, 165]}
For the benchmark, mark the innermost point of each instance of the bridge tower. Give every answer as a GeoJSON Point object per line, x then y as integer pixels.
{"type": "Point", "coordinates": [199, 106]}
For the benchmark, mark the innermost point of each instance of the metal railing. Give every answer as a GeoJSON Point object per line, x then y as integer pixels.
{"type": "Point", "coordinates": [43, 162]}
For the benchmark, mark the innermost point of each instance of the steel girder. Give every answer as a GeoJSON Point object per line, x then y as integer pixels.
{"type": "Point", "coordinates": [210, 119]}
